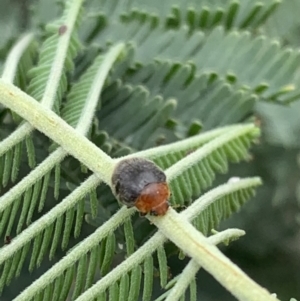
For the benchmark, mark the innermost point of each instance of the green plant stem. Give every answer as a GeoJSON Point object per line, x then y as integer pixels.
{"type": "Point", "coordinates": [181, 145]}
{"type": "Point", "coordinates": [158, 239]}
{"type": "Point", "coordinates": [54, 77]}
{"type": "Point", "coordinates": [13, 59]}
{"type": "Point", "coordinates": [57, 129]}
{"type": "Point", "coordinates": [192, 267]}
{"type": "Point", "coordinates": [82, 127]}
{"type": "Point", "coordinates": [48, 219]}
{"type": "Point", "coordinates": [61, 55]}
{"type": "Point", "coordinates": [84, 247]}
{"type": "Point", "coordinates": [182, 165]}
{"type": "Point", "coordinates": [196, 245]}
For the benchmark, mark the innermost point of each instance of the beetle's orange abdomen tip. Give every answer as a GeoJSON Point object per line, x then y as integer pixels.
{"type": "Point", "coordinates": [154, 199]}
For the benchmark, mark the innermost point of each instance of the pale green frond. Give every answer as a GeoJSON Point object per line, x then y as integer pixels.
{"type": "Point", "coordinates": [157, 240]}
{"type": "Point", "coordinates": [211, 217]}
{"type": "Point", "coordinates": [194, 14]}
{"type": "Point", "coordinates": [76, 112]}
{"type": "Point", "coordinates": [48, 81]}
{"type": "Point", "coordinates": [48, 231]}
{"type": "Point", "coordinates": [91, 247]}
{"type": "Point", "coordinates": [91, 244]}
{"type": "Point", "coordinates": [200, 98]}
{"type": "Point", "coordinates": [262, 65]}
{"type": "Point", "coordinates": [33, 181]}
{"type": "Point", "coordinates": [197, 171]}
{"type": "Point", "coordinates": [134, 103]}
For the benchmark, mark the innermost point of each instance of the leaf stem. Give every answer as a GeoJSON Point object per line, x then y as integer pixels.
{"type": "Point", "coordinates": [78, 251]}
{"type": "Point", "coordinates": [158, 239]}
{"type": "Point", "coordinates": [46, 220]}
{"type": "Point", "coordinates": [82, 127]}
{"type": "Point", "coordinates": [197, 246]}
{"type": "Point", "coordinates": [57, 129]}
{"type": "Point", "coordinates": [190, 271]}
{"type": "Point", "coordinates": [202, 152]}
{"type": "Point", "coordinates": [14, 56]}
{"type": "Point", "coordinates": [57, 66]}
{"type": "Point", "coordinates": [181, 145]}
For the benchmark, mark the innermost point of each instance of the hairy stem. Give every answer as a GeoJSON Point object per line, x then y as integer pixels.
{"type": "Point", "coordinates": [57, 129]}
{"type": "Point", "coordinates": [190, 271]}
{"type": "Point", "coordinates": [85, 246]}
{"type": "Point", "coordinates": [13, 59]}
{"type": "Point", "coordinates": [48, 219]}
{"type": "Point", "coordinates": [197, 246]}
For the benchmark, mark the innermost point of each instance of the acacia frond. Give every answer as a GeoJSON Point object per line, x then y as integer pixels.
{"type": "Point", "coordinates": [200, 99]}
{"type": "Point", "coordinates": [50, 226]}
{"type": "Point", "coordinates": [48, 82]}
{"type": "Point", "coordinates": [90, 247]}
{"type": "Point", "coordinates": [212, 53]}
{"type": "Point", "coordinates": [188, 67]}
{"type": "Point", "coordinates": [157, 240]}
{"type": "Point", "coordinates": [205, 16]}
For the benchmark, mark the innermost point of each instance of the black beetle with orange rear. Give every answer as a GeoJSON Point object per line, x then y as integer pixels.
{"type": "Point", "coordinates": [139, 182]}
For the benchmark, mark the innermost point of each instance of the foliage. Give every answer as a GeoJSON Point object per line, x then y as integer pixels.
{"type": "Point", "coordinates": [180, 83]}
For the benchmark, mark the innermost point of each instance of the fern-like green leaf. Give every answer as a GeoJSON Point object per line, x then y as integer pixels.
{"type": "Point", "coordinates": [212, 157]}
{"type": "Point", "coordinates": [58, 220]}
{"type": "Point", "coordinates": [122, 216]}
{"type": "Point", "coordinates": [195, 15]}
{"type": "Point", "coordinates": [212, 53]}
{"type": "Point", "coordinates": [156, 241]}
{"type": "Point", "coordinates": [147, 113]}
{"type": "Point", "coordinates": [199, 97]}
{"type": "Point", "coordinates": [48, 78]}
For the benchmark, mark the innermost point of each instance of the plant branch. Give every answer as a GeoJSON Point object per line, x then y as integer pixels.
{"type": "Point", "coordinates": [13, 59]}
{"type": "Point", "coordinates": [181, 145]}
{"type": "Point", "coordinates": [158, 239]}
{"type": "Point", "coordinates": [82, 127]}
{"type": "Point", "coordinates": [85, 246]}
{"type": "Point", "coordinates": [197, 246]}
{"type": "Point", "coordinates": [46, 220]}
{"type": "Point", "coordinates": [190, 271]}
{"type": "Point", "coordinates": [57, 129]}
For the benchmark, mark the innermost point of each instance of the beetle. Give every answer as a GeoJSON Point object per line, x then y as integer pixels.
{"type": "Point", "coordinates": [141, 183]}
